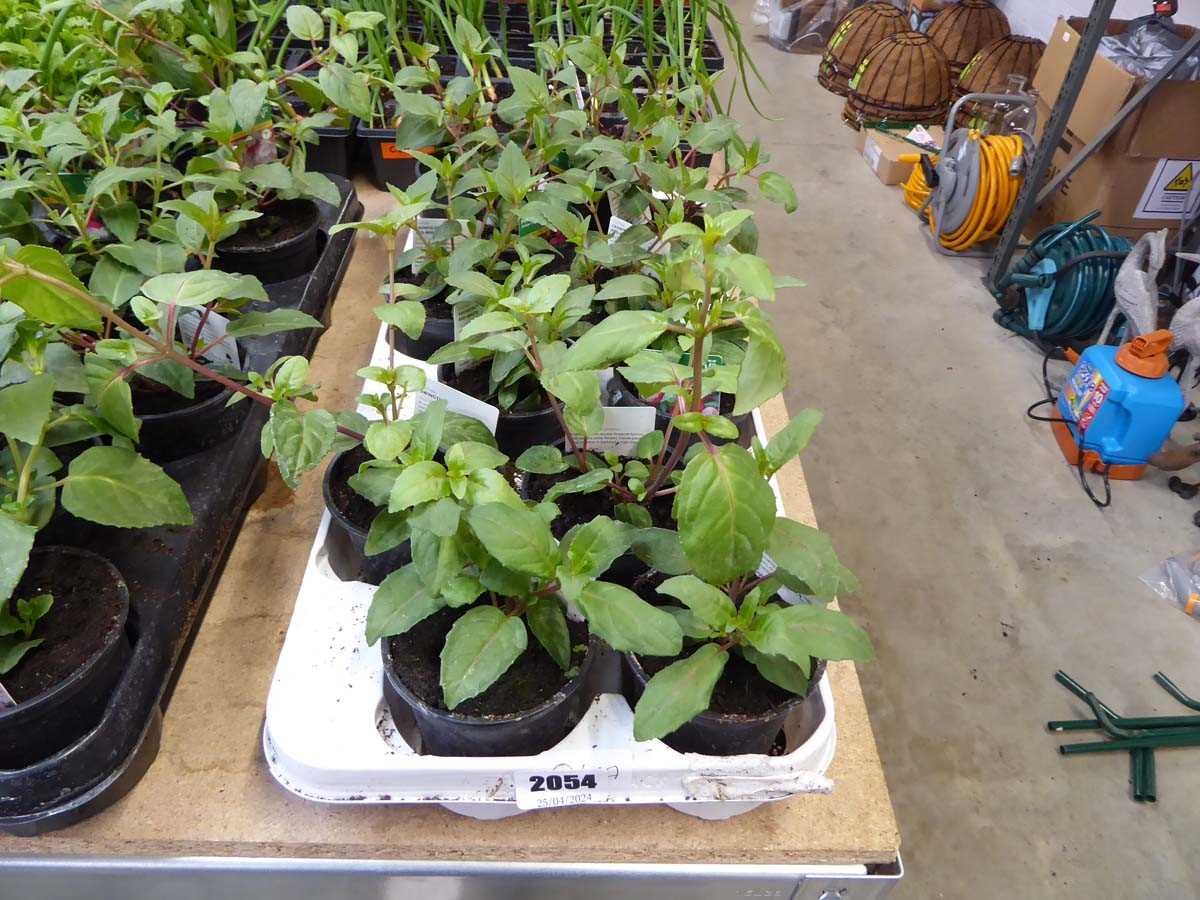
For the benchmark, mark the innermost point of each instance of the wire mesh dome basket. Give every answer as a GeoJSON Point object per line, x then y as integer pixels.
{"type": "Point", "coordinates": [989, 70]}
{"type": "Point", "coordinates": [903, 78]}
{"type": "Point", "coordinates": [857, 33]}
{"type": "Point", "coordinates": [965, 28]}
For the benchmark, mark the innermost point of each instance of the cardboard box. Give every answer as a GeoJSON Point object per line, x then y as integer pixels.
{"type": "Point", "coordinates": [1141, 176]}
{"type": "Point", "coordinates": [882, 151]}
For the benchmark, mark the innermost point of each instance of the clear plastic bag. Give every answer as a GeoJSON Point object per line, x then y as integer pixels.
{"type": "Point", "coordinates": [1147, 45]}
{"type": "Point", "coordinates": [805, 27]}
{"type": "Point", "coordinates": [1177, 580]}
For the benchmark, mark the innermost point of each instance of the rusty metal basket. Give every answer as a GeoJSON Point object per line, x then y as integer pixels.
{"type": "Point", "coordinates": [965, 28]}
{"type": "Point", "coordinates": [904, 78]}
{"type": "Point", "coordinates": [989, 70]}
{"type": "Point", "coordinates": [857, 33]}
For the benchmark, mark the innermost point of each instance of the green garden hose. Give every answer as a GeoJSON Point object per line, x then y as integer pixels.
{"type": "Point", "coordinates": [1068, 275]}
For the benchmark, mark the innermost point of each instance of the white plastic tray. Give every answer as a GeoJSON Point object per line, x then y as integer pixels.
{"type": "Point", "coordinates": [329, 736]}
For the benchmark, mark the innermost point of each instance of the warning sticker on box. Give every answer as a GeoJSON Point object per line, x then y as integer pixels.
{"type": "Point", "coordinates": [1169, 190]}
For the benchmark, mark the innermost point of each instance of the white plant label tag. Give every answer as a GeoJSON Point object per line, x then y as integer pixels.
{"type": "Point", "coordinates": [457, 401]}
{"type": "Point", "coordinates": [617, 227]}
{"type": "Point", "coordinates": [223, 353]}
{"type": "Point", "coordinates": [921, 135]}
{"type": "Point", "coordinates": [623, 427]}
{"type": "Point", "coordinates": [6, 699]}
{"type": "Point", "coordinates": [567, 785]}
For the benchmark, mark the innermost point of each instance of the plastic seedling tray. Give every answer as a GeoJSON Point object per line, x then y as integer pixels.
{"type": "Point", "coordinates": [329, 736]}
{"type": "Point", "coordinates": [171, 572]}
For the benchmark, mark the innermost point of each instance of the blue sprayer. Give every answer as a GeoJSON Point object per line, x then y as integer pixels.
{"type": "Point", "coordinates": [1120, 402]}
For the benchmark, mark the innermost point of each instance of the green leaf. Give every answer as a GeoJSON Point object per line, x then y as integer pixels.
{"type": "Point", "coordinates": [764, 370]}
{"type": "Point", "coordinates": [807, 554]}
{"type": "Point", "coordinates": [438, 559]}
{"type": "Point", "coordinates": [660, 549]}
{"type": "Point", "coordinates": [149, 257]}
{"type": "Point", "coordinates": [25, 408]}
{"type": "Point", "coordinates": [678, 693]}
{"type": "Point", "coordinates": [115, 486]}
{"type": "Point", "coordinates": [258, 323]}
{"type": "Point", "coordinates": [11, 652]}
{"type": "Point", "coordinates": [407, 315]}
{"type": "Point", "coordinates": [593, 547]}
{"type": "Point", "coordinates": [496, 320]}
{"type": "Point", "coordinates": [305, 23]}
{"type": "Point", "coordinates": [803, 631]}
{"type": "Point", "coordinates": [713, 135]}
{"type": "Point", "coordinates": [695, 422]}
{"type": "Point", "coordinates": [401, 601]}
{"type": "Point", "coordinates": [649, 445]}
{"type": "Point", "coordinates": [480, 647]}
{"type": "Point", "coordinates": [615, 339]}
{"type": "Point", "coordinates": [418, 483]}
{"type": "Point", "coordinates": [441, 517]}
{"type": "Point", "coordinates": [457, 428]}
{"type": "Point", "coordinates": [301, 440]}
{"type": "Point", "coordinates": [779, 190]}
{"type": "Point", "coordinates": [518, 538]}
{"type": "Point", "coordinates": [725, 511]}
{"type": "Point", "coordinates": [711, 604]}
{"type": "Point", "coordinates": [469, 456]}
{"type": "Point", "coordinates": [580, 484]}
{"type": "Point", "coordinates": [247, 98]}
{"type": "Point", "coordinates": [549, 625]}
{"type": "Point", "coordinates": [778, 670]}
{"type": "Point", "coordinates": [580, 391]}
{"type": "Point", "coordinates": [628, 286]}
{"type": "Point", "coordinates": [202, 286]}
{"type": "Point", "coordinates": [542, 460]}
{"type": "Point", "coordinates": [690, 624]}
{"type": "Point", "coordinates": [751, 274]}
{"type": "Point", "coordinates": [387, 531]}
{"type": "Point", "coordinates": [110, 395]}
{"type": "Point", "coordinates": [113, 282]}
{"type": "Point", "coordinates": [16, 540]}
{"type": "Point", "coordinates": [791, 439]}
{"type": "Point", "coordinates": [462, 590]}
{"type": "Point", "coordinates": [627, 622]}
{"type": "Point", "coordinates": [387, 440]}
{"type": "Point", "coordinates": [345, 88]}
{"type": "Point", "coordinates": [49, 303]}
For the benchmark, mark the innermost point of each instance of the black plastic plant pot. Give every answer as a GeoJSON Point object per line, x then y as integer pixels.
{"type": "Point", "coordinates": [436, 334]}
{"type": "Point", "coordinates": [283, 244]}
{"type": "Point", "coordinates": [774, 733]}
{"type": "Point", "coordinates": [41, 725]}
{"type": "Point", "coordinates": [387, 164]}
{"type": "Point", "coordinates": [333, 153]}
{"type": "Point", "coordinates": [516, 430]}
{"type": "Point", "coordinates": [346, 539]}
{"type": "Point", "coordinates": [191, 428]}
{"type": "Point", "coordinates": [439, 732]}
{"type": "Point", "coordinates": [626, 395]}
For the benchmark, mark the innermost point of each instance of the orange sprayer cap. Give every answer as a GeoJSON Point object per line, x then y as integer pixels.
{"type": "Point", "coordinates": [1146, 354]}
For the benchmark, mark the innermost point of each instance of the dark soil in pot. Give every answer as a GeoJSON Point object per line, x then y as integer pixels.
{"type": "Point", "coordinates": [747, 714]}
{"type": "Point", "coordinates": [281, 244]}
{"type": "Point", "coordinates": [530, 708]}
{"type": "Point", "coordinates": [519, 427]}
{"type": "Point", "coordinates": [351, 516]}
{"type": "Point", "coordinates": [627, 395]}
{"type": "Point", "coordinates": [174, 426]}
{"type": "Point", "coordinates": [63, 685]}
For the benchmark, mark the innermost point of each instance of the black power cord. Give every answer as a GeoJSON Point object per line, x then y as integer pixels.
{"type": "Point", "coordinates": [1051, 398]}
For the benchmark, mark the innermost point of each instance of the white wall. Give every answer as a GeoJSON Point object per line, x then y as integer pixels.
{"type": "Point", "coordinates": [1037, 17]}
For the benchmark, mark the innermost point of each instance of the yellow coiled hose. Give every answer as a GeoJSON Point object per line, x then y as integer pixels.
{"type": "Point", "coordinates": [994, 198]}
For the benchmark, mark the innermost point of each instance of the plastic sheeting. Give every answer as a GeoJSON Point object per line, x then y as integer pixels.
{"type": "Point", "coordinates": [1147, 45]}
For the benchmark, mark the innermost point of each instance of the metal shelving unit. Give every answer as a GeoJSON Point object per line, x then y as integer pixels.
{"type": "Point", "coordinates": [1033, 192]}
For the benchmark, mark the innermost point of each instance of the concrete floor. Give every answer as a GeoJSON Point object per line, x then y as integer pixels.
{"type": "Point", "coordinates": [984, 566]}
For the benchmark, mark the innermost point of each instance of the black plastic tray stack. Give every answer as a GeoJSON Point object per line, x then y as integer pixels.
{"type": "Point", "coordinates": [171, 573]}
